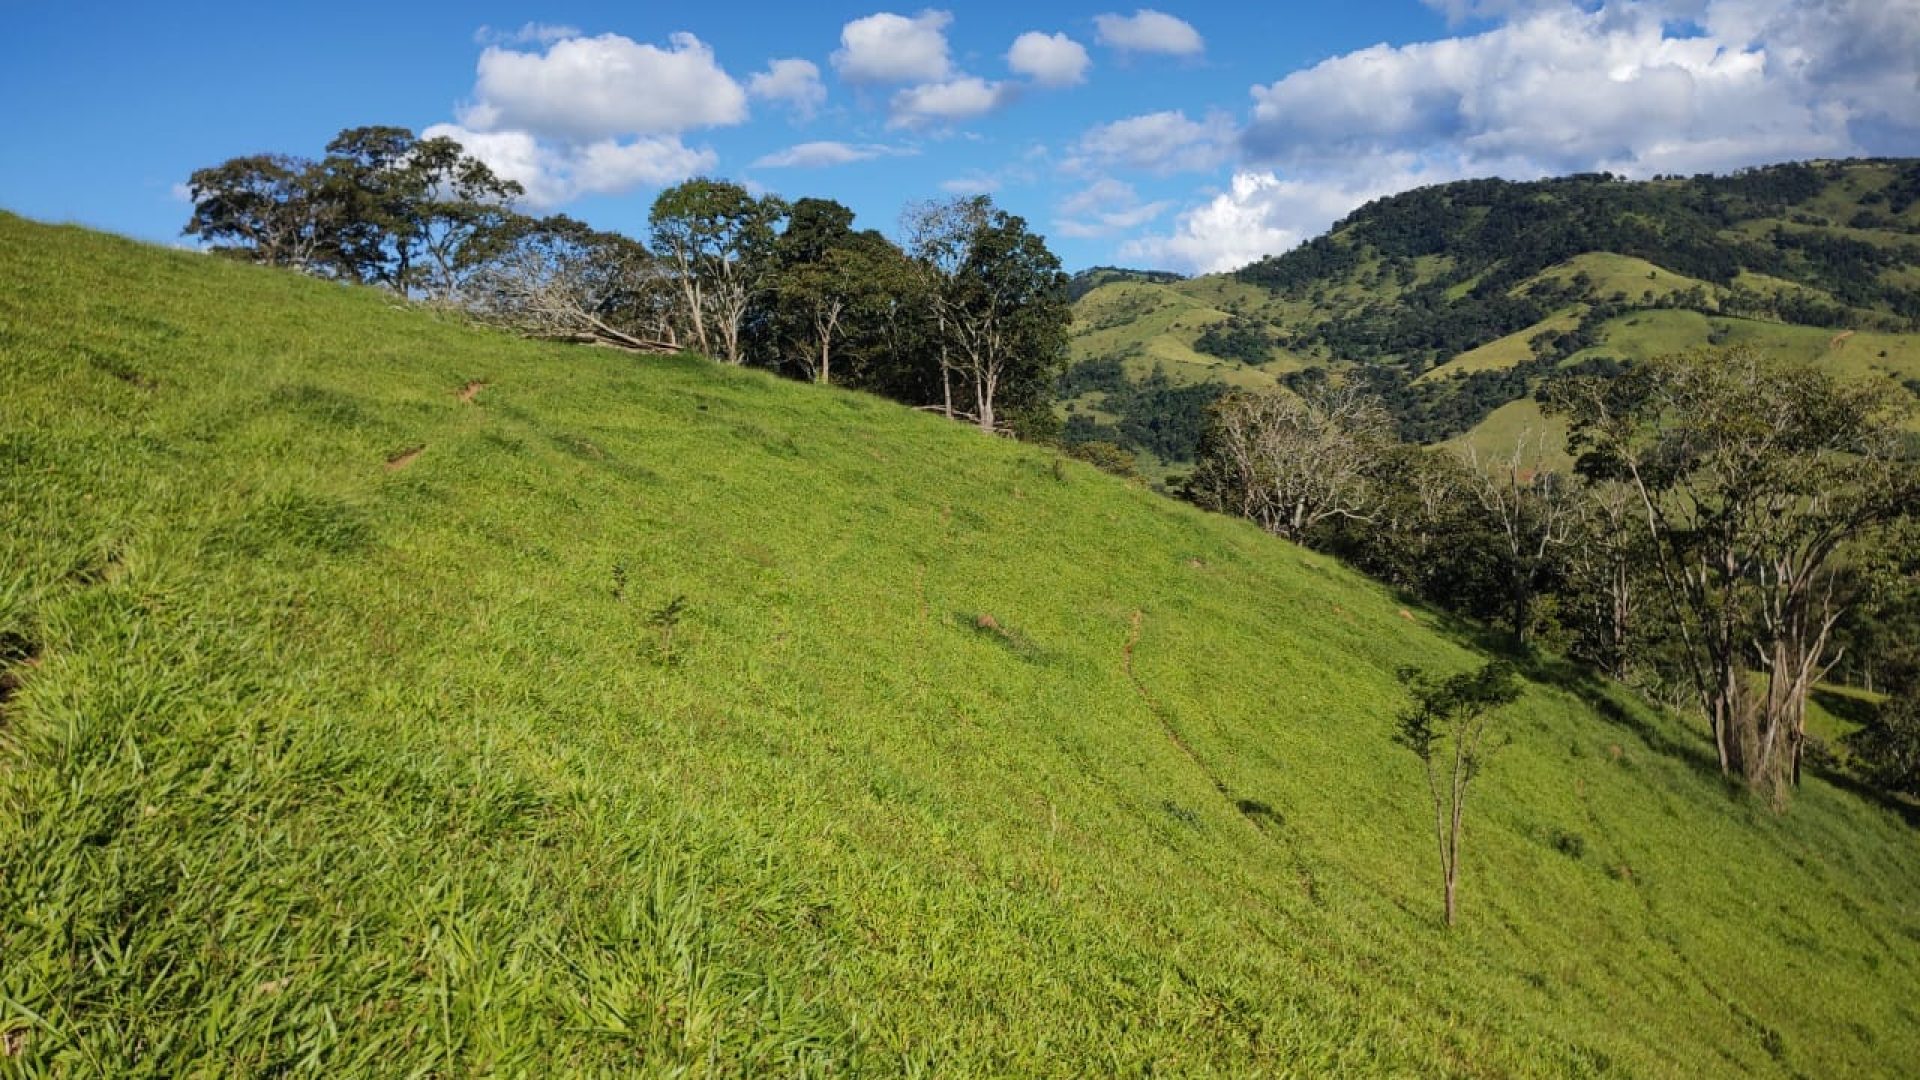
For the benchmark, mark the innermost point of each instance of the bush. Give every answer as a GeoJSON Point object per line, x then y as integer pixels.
{"type": "Point", "coordinates": [1570, 844]}
{"type": "Point", "coordinates": [1105, 456]}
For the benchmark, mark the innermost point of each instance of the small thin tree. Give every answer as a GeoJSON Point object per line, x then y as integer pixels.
{"type": "Point", "coordinates": [1446, 727]}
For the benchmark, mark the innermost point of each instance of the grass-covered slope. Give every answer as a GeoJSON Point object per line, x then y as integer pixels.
{"type": "Point", "coordinates": [383, 696]}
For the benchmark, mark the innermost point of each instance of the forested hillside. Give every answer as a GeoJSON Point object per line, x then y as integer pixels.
{"type": "Point", "coordinates": [1452, 304]}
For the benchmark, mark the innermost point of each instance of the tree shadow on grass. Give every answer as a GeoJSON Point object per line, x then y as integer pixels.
{"type": "Point", "coordinates": [1853, 710]}
{"type": "Point", "coordinates": [1602, 695]}
{"type": "Point", "coordinates": [1594, 690]}
{"type": "Point", "coordinates": [1903, 809]}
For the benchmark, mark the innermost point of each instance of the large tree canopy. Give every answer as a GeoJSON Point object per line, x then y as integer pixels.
{"type": "Point", "coordinates": [1753, 480]}
{"type": "Point", "coordinates": [418, 216]}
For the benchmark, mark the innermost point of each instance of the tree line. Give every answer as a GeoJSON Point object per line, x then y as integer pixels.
{"type": "Point", "coordinates": [1730, 531]}
{"type": "Point", "coordinates": [967, 315]}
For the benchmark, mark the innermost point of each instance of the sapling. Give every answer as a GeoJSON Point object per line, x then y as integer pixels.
{"type": "Point", "coordinates": [1446, 727]}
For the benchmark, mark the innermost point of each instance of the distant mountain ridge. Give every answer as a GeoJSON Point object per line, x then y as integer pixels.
{"type": "Point", "coordinates": [1093, 277]}
{"type": "Point", "coordinates": [1454, 301]}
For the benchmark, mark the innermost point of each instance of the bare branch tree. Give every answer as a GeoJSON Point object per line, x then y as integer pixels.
{"type": "Point", "coordinates": [1532, 511]}
{"type": "Point", "coordinates": [1293, 461]}
{"type": "Point", "coordinates": [564, 281]}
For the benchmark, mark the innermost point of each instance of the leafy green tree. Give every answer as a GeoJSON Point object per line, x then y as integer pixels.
{"type": "Point", "coordinates": [266, 208]}
{"type": "Point", "coordinates": [419, 216]}
{"type": "Point", "coordinates": [461, 219]}
{"type": "Point", "coordinates": [1447, 727]}
{"type": "Point", "coordinates": [1886, 749]}
{"type": "Point", "coordinates": [1531, 510]}
{"type": "Point", "coordinates": [832, 297]}
{"type": "Point", "coordinates": [366, 175]}
{"type": "Point", "coordinates": [718, 238]}
{"type": "Point", "coordinates": [1000, 303]}
{"type": "Point", "coordinates": [1605, 558]}
{"type": "Point", "coordinates": [832, 292]}
{"type": "Point", "coordinates": [1754, 482]}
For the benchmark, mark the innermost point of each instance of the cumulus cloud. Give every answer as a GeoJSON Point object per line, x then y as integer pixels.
{"type": "Point", "coordinates": [1148, 31]}
{"type": "Point", "coordinates": [950, 102]}
{"type": "Point", "coordinates": [1103, 208]}
{"type": "Point", "coordinates": [821, 155]}
{"type": "Point", "coordinates": [1529, 88]}
{"type": "Point", "coordinates": [1049, 59]}
{"type": "Point", "coordinates": [1162, 142]}
{"type": "Point", "coordinates": [1562, 88]}
{"type": "Point", "coordinates": [1860, 58]}
{"type": "Point", "coordinates": [587, 89]}
{"type": "Point", "coordinates": [556, 173]}
{"type": "Point", "coordinates": [1261, 214]}
{"type": "Point", "coordinates": [794, 82]}
{"type": "Point", "coordinates": [889, 48]}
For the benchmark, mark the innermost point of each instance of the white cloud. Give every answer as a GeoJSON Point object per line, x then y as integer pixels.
{"type": "Point", "coordinates": [1103, 208]}
{"type": "Point", "coordinates": [181, 192]}
{"type": "Point", "coordinates": [1261, 214]}
{"type": "Point", "coordinates": [949, 102]}
{"type": "Point", "coordinates": [974, 184]}
{"type": "Point", "coordinates": [1561, 88]}
{"type": "Point", "coordinates": [532, 33]}
{"type": "Point", "coordinates": [586, 89]}
{"type": "Point", "coordinates": [793, 81]}
{"type": "Point", "coordinates": [1161, 142]}
{"type": "Point", "coordinates": [889, 48]}
{"type": "Point", "coordinates": [1148, 31]}
{"type": "Point", "coordinates": [554, 174]}
{"type": "Point", "coordinates": [609, 167]}
{"type": "Point", "coordinates": [1049, 59]}
{"type": "Point", "coordinates": [821, 155]}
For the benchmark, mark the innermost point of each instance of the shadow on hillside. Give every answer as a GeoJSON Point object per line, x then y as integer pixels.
{"type": "Point", "coordinates": [1602, 695]}
{"type": "Point", "coordinates": [1856, 711]}
{"type": "Point", "coordinates": [1593, 689]}
{"type": "Point", "coordinates": [1903, 809]}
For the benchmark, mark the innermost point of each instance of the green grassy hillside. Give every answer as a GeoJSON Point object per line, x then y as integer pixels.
{"type": "Point", "coordinates": [1435, 296]}
{"type": "Point", "coordinates": [385, 696]}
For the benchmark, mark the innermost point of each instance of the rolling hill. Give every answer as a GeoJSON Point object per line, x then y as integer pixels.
{"type": "Point", "coordinates": [383, 695]}
{"type": "Point", "coordinates": [1453, 302]}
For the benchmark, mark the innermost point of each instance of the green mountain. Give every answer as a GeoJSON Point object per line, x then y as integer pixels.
{"type": "Point", "coordinates": [382, 695]}
{"type": "Point", "coordinates": [1453, 302]}
{"type": "Point", "coordinates": [1088, 280]}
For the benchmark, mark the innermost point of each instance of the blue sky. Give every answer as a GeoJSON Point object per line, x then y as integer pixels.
{"type": "Point", "coordinates": [1195, 136]}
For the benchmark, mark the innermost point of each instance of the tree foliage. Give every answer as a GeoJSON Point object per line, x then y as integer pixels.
{"type": "Point", "coordinates": [382, 208]}
{"type": "Point", "coordinates": [1753, 481]}
{"type": "Point", "coordinates": [999, 301]}
{"type": "Point", "coordinates": [719, 239]}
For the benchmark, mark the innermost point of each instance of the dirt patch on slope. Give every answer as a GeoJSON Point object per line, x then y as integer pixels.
{"type": "Point", "coordinates": [405, 458]}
